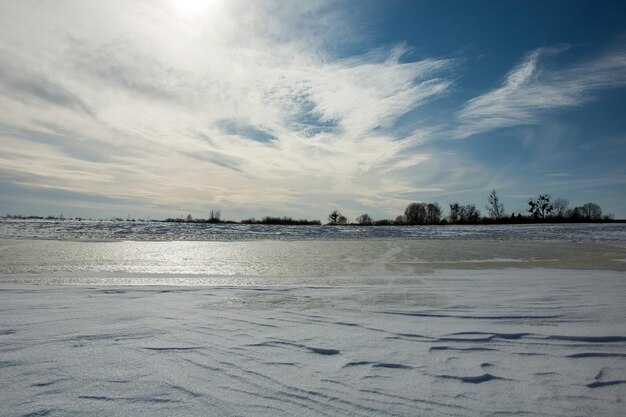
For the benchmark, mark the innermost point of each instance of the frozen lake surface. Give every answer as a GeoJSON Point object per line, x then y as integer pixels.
{"type": "Point", "coordinates": [488, 324]}
{"type": "Point", "coordinates": [291, 263]}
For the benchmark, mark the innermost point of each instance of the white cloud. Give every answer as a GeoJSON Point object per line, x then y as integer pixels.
{"type": "Point", "coordinates": [251, 107]}
{"type": "Point", "coordinates": [531, 89]}
{"type": "Point", "coordinates": [154, 92]}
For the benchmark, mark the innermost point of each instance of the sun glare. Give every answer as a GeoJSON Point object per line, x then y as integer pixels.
{"type": "Point", "coordinates": [192, 8]}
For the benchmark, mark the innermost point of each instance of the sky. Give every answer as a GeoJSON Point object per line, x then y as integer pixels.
{"type": "Point", "coordinates": [161, 108]}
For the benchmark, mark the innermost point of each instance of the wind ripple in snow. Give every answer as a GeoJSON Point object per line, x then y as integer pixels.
{"type": "Point", "coordinates": [524, 342]}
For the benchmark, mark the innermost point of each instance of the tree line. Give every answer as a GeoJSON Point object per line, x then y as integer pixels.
{"type": "Point", "coordinates": [540, 209]}
{"type": "Point", "coordinates": [215, 216]}
{"type": "Point", "coordinates": [282, 221]}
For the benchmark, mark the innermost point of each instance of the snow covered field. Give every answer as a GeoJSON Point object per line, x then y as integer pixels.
{"type": "Point", "coordinates": [459, 343]}
{"type": "Point", "coordinates": [160, 231]}
{"type": "Point", "coordinates": [350, 328]}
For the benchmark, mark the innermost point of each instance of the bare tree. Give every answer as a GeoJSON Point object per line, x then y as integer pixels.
{"type": "Point", "coordinates": [415, 213]}
{"type": "Point", "coordinates": [215, 215]}
{"type": "Point", "coordinates": [470, 214]}
{"type": "Point", "coordinates": [540, 207]}
{"type": "Point", "coordinates": [342, 219]}
{"type": "Point", "coordinates": [574, 214]}
{"type": "Point", "coordinates": [560, 206]}
{"type": "Point", "coordinates": [433, 213]}
{"type": "Point", "coordinates": [455, 212]}
{"type": "Point", "coordinates": [464, 214]}
{"type": "Point", "coordinates": [495, 207]}
{"type": "Point", "coordinates": [333, 217]}
{"type": "Point", "coordinates": [591, 211]}
{"type": "Point", "coordinates": [364, 219]}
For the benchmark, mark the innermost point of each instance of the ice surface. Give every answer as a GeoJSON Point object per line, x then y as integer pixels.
{"type": "Point", "coordinates": [524, 342]}
{"type": "Point", "coordinates": [328, 262]}
{"type": "Point", "coordinates": [479, 326]}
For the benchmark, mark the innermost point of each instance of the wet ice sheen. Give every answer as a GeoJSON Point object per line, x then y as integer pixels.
{"type": "Point", "coordinates": [313, 263]}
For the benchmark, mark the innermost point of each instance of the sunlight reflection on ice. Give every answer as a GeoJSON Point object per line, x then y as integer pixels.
{"type": "Point", "coordinates": [301, 263]}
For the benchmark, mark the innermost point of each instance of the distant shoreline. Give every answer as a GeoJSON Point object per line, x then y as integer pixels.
{"type": "Point", "coordinates": [289, 222]}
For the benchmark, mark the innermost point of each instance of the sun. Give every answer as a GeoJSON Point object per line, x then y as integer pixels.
{"type": "Point", "coordinates": [192, 8]}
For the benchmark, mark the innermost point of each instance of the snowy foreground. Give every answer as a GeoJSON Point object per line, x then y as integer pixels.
{"type": "Point", "coordinates": [469, 342]}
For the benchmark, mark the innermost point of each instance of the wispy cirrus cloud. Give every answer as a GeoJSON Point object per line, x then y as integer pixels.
{"type": "Point", "coordinates": [252, 107]}
{"type": "Point", "coordinates": [243, 105]}
{"type": "Point", "coordinates": [531, 89]}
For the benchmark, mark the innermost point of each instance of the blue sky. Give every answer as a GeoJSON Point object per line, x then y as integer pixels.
{"type": "Point", "coordinates": [163, 108]}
